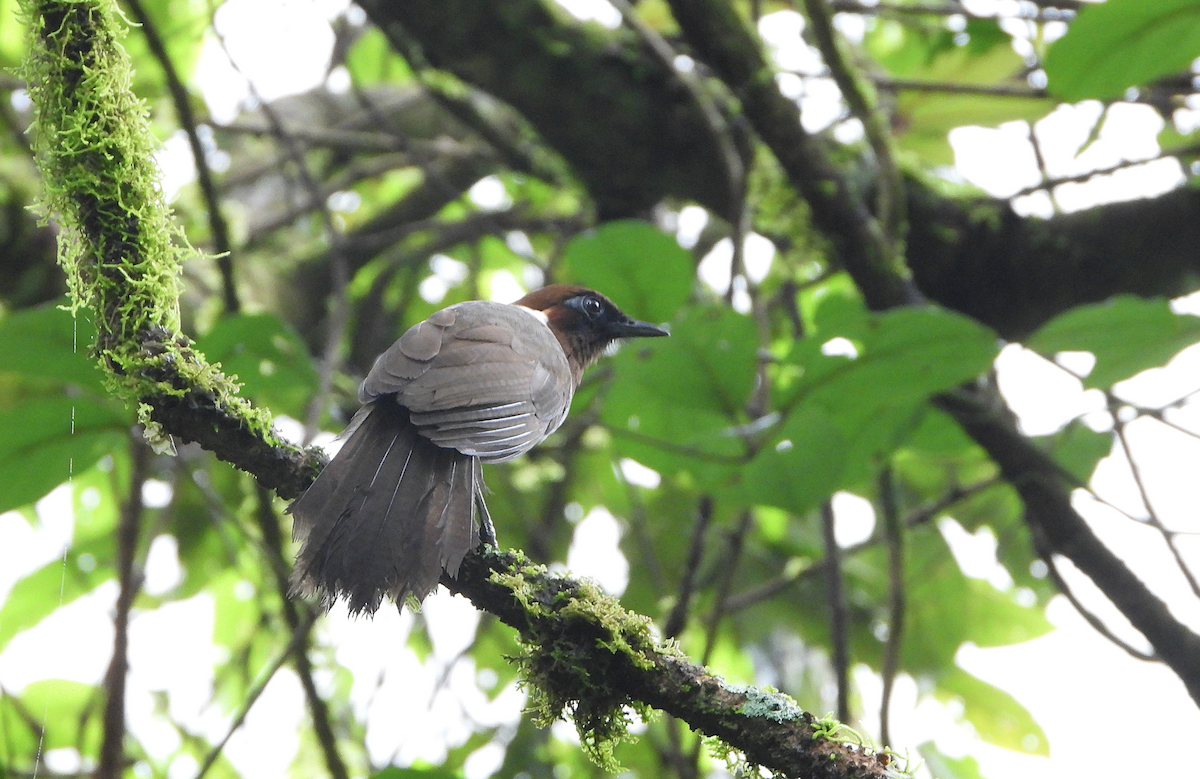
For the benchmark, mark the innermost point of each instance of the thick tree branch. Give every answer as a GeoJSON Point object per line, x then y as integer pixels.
{"type": "Point", "coordinates": [122, 255]}
{"type": "Point", "coordinates": [720, 37]}
{"type": "Point", "coordinates": [585, 651]}
{"type": "Point", "coordinates": [620, 117]}
{"type": "Point", "coordinates": [570, 624]}
{"type": "Point", "coordinates": [1046, 493]}
{"type": "Point", "coordinates": [1015, 273]}
{"type": "Point", "coordinates": [973, 255]}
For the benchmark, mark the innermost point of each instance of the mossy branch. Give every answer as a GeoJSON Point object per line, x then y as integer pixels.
{"type": "Point", "coordinates": [119, 246]}
{"type": "Point", "coordinates": [584, 653]}
{"type": "Point", "coordinates": [588, 656]}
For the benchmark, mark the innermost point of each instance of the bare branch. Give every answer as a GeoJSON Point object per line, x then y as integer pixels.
{"type": "Point", "coordinates": [187, 120]}
{"type": "Point", "coordinates": [129, 528]}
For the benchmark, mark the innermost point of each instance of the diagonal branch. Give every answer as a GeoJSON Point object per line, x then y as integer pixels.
{"type": "Point", "coordinates": [1048, 511]}
{"type": "Point", "coordinates": [611, 648]}
{"type": "Point", "coordinates": [720, 37]}
{"type": "Point", "coordinates": [611, 660]}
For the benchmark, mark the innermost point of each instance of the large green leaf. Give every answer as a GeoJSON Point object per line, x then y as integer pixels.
{"type": "Point", "coordinates": [267, 357]}
{"type": "Point", "coordinates": [807, 464]}
{"type": "Point", "coordinates": [946, 609]}
{"type": "Point", "coordinates": [707, 364]}
{"type": "Point", "coordinates": [904, 355]}
{"type": "Point", "coordinates": [674, 400]}
{"type": "Point", "coordinates": [1127, 335]}
{"type": "Point", "coordinates": [643, 270]}
{"type": "Point", "coordinates": [926, 117]}
{"type": "Point", "coordinates": [48, 343]}
{"type": "Point", "coordinates": [57, 583]}
{"type": "Point", "coordinates": [997, 716]}
{"type": "Point", "coordinates": [43, 442]}
{"type": "Point", "coordinates": [1118, 44]}
{"type": "Point", "coordinates": [57, 705]}
{"type": "Point", "coordinates": [83, 567]}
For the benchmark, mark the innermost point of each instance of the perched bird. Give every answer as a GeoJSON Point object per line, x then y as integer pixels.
{"type": "Point", "coordinates": [475, 382]}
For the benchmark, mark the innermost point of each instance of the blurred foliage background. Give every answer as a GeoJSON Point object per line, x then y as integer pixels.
{"type": "Point", "coordinates": [468, 149]}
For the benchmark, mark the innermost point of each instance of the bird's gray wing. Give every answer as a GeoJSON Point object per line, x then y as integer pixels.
{"type": "Point", "coordinates": [487, 379]}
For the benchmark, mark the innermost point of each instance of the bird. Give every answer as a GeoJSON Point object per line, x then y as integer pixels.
{"type": "Point", "coordinates": [479, 381]}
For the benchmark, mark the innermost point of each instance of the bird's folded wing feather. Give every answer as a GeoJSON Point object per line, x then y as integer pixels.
{"type": "Point", "coordinates": [487, 379]}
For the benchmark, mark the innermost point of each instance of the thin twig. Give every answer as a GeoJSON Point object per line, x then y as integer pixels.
{"type": "Point", "coordinates": [922, 515]}
{"type": "Point", "coordinates": [1167, 535]}
{"type": "Point", "coordinates": [299, 636]}
{"type": "Point", "coordinates": [838, 618]}
{"type": "Point", "coordinates": [720, 608]}
{"type": "Point", "coordinates": [1043, 174]}
{"type": "Point", "coordinates": [112, 749]}
{"type": "Point", "coordinates": [893, 532]}
{"type": "Point", "coordinates": [891, 209]}
{"type": "Point", "coordinates": [333, 138]}
{"type": "Point", "coordinates": [339, 312]}
{"type": "Point", "coordinates": [1078, 178]}
{"type": "Point", "coordinates": [1058, 11]}
{"type": "Point", "coordinates": [1089, 616]}
{"type": "Point", "coordinates": [187, 120]}
{"type": "Point", "coordinates": [993, 90]}
{"type": "Point", "coordinates": [737, 544]}
{"type": "Point", "coordinates": [272, 541]}
{"type": "Point", "coordinates": [677, 620]}
{"type": "Point", "coordinates": [731, 159]}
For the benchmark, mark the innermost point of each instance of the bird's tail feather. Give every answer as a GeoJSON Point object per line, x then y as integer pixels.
{"type": "Point", "coordinates": [386, 516]}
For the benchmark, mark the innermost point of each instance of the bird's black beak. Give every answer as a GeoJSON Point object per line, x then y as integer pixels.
{"type": "Point", "coordinates": [632, 328]}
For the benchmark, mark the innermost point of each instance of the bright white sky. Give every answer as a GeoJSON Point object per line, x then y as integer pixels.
{"type": "Point", "coordinates": [1075, 682]}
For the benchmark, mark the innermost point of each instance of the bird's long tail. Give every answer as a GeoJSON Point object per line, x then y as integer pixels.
{"type": "Point", "coordinates": [388, 514]}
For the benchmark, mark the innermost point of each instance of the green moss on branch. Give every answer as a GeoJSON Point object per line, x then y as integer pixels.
{"type": "Point", "coordinates": [588, 656]}
{"type": "Point", "coordinates": [119, 246]}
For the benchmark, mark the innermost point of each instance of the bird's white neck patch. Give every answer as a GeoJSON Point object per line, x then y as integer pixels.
{"type": "Point", "coordinates": [538, 315]}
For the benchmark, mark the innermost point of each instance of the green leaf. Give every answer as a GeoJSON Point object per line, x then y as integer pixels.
{"type": "Point", "coordinates": [88, 562]}
{"type": "Point", "coordinates": [942, 766]}
{"type": "Point", "coordinates": [31, 601]}
{"type": "Point", "coordinates": [641, 269]}
{"type": "Point", "coordinates": [707, 364]}
{"type": "Point", "coordinates": [673, 400]}
{"type": "Point", "coordinates": [804, 468]}
{"type": "Point", "coordinates": [58, 705]}
{"type": "Point", "coordinates": [926, 117]}
{"type": "Point", "coordinates": [946, 609]}
{"type": "Point", "coordinates": [372, 60]}
{"type": "Point", "coordinates": [1078, 449]}
{"type": "Point", "coordinates": [431, 772]}
{"type": "Point", "coordinates": [48, 343]}
{"type": "Point", "coordinates": [877, 398]}
{"type": "Point", "coordinates": [906, 354]}
{"type": "Point", "coordinates": [43, 442]}
{"type": "Point", "coordinates": [998, 717]}
{"type": "Point", "coordinates": [1118, 44]}
{"type": "Point", "coordinates": [1127, 335]}
{"type": "Point", "coordinates": [267, 357]}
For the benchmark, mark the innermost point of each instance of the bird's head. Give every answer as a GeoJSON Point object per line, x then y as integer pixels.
{"type": "Point", "coordinates": [584, 321]}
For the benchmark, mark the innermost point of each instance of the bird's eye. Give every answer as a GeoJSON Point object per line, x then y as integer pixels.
{"type": "Point", "coordinates": [592, 306]}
